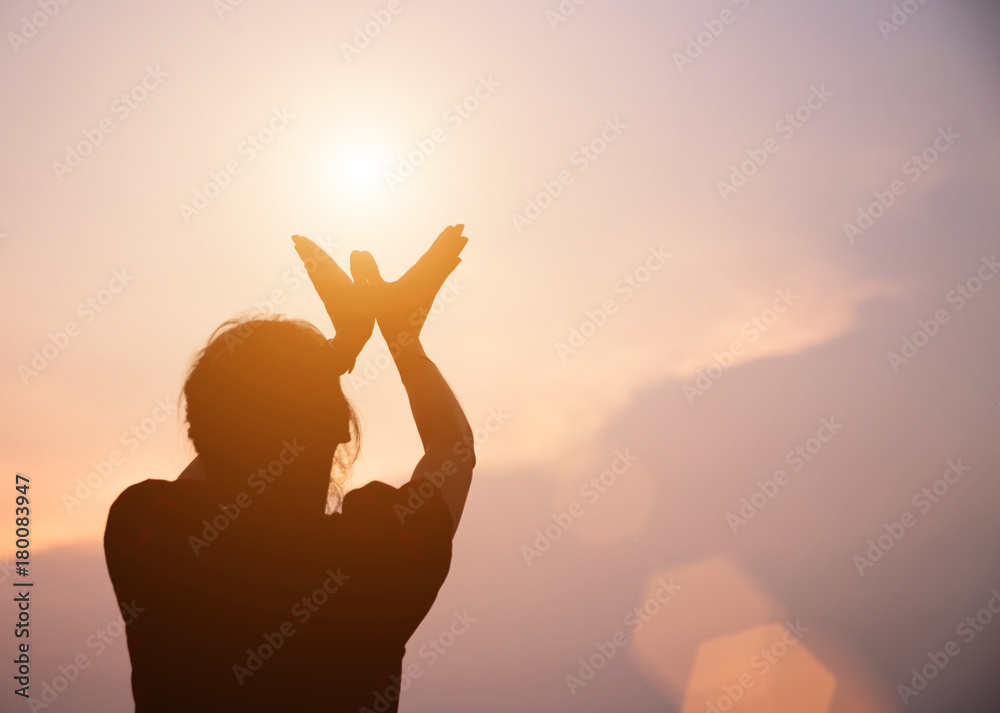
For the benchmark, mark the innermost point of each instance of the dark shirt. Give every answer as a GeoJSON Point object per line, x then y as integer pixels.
{"type": "Point", "coordinates": [310, 613]}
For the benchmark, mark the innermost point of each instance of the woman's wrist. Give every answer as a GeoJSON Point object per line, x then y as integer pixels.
{"type": "Point", "coordinates": [406, 350]}
{"type": "Point", "coordinates": [344, 355]}
{"type": "Point", "coordinates": [401, 341]}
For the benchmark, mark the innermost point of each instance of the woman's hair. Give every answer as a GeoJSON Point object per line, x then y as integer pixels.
{"type": "Point", "coordinates": [260, 382]}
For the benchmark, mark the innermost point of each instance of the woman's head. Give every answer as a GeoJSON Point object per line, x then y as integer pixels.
{"type": "Point", "coordinates": [258, 385]}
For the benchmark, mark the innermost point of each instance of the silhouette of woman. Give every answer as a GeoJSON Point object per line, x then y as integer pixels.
{"type": "Point", "coordinates": [241, 592]}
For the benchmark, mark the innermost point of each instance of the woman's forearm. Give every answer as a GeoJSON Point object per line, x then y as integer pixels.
{"type": "Point", "coordinates": [439, 417]}
{"type": "Point", "coordinates": [449, 457]}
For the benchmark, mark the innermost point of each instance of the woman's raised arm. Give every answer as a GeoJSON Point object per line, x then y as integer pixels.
{"type": "Point", "coordinates": [401, 308]}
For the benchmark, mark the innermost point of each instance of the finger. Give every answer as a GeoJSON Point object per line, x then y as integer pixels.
{"type": "Point", "coordinates": [370, 269]}
{"type": "Point", "coordinates": [315, 258]}
{"type": "Point", "coordinates": [450, 242]}
{"type": "Point", "coordinates": [322, 269]}
{"type": "Point", "coordinates": [441, 258]}
{"type": "Point", "coordinates": [443, 253]}
{"type": "Point", "coordinates": [426, 278]}
{"type": "Point", "coordinates": [358, 268]}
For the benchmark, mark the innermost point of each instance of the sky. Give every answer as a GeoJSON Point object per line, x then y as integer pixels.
{"type": "Point", "coordinates": [741, 251]}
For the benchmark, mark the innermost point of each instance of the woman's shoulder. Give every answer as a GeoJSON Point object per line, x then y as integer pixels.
{"type": "Point", "coordinates": [153, 491]}
{"type": "Point", "coordinates": [416, 505]}
{"type": "Point", "coordinates": [374, 491]}
{"type": "Point", "coordinates": [371, 500]}
{"type": "Point", "coordinates": [143, 501]}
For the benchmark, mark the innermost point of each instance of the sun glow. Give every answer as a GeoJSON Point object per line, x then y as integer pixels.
{"type": "Point", "coordinates": [356, 168]}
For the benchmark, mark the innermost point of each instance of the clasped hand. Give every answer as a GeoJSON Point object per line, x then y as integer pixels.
{"type": "Point", "coordinates": [399, 307]}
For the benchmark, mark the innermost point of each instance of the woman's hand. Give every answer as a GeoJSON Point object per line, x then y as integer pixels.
{"type": "Point", "coordinates": [401, 307]}
{"type": "Point", "coordinates": [348, 302]}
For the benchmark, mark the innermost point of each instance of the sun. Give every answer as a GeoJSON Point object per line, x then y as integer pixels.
{"type": "Point", "coordinates": [361, 170]}
{"type": "Point", "coordinates": [357, 168]}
